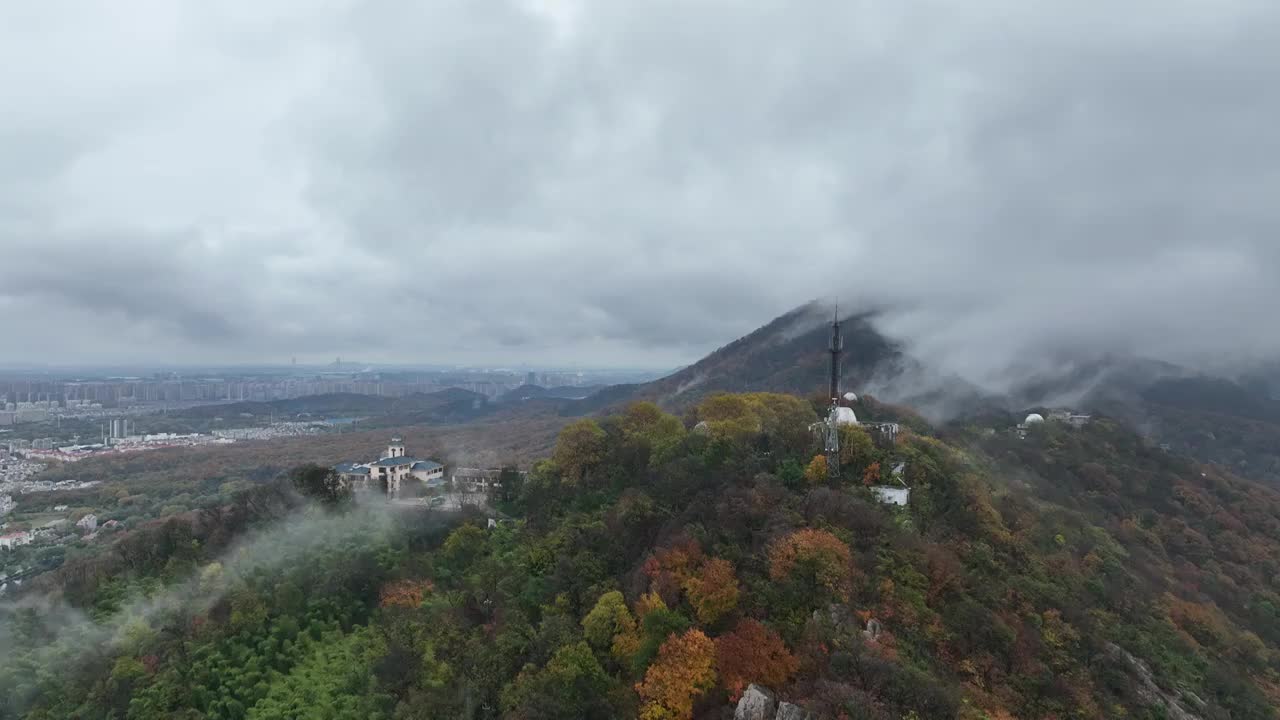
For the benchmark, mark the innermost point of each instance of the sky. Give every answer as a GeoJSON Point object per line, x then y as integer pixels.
{"type": "Point", "coordinates": [635, 183]}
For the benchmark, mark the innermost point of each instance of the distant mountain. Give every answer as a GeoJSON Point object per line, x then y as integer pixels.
{"type": "Point", "coordinates": [786, 355]}
{"type": "Point", "coordinates": [563, 392]}
{"type": "Point", "coordinates": [1229, 421]}
{"type": "Point", "coordinates": [451, 404]}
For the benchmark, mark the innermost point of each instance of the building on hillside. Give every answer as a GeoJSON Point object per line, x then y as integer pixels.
{"type": "Point", "coordinates": [896, 492]}
{"type": "Point", "coordinates": [389, 472]}
{"type": "Point", "coordinates": [14, 540]}
{"type": "Point", "coordinates": [479, 479]}
{"type": "Point", "coordinates": [88, 523]}
{"type": "Point", "coordinates": [1073, 419]}
{"type": "Point", "coordinates": [885, 434]}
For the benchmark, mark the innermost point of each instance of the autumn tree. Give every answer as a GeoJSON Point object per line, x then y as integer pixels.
{"type": "Point", "coordinates": [741, 415]}
{"type": "Point", "coordinates": [871, 476]}
{"type": "Point", "coordinates": [814, 558]}
{"type": "Point", "coordinates": [753, 653]}
{"type": "Point", "coordinates": [579, 448]}
{"type": "Point", "coordinates": [709, 583]}
{"type": "Point", "coordinates": [404, 593]}
{"type": "Point", "coordinates": [857, 449]}
{"type": "Point", "coordinates": [610, 626]}
{"type": "Point", "coordinates": [816, 472]}
{"type": "Point", "coordinates": [712, 590]}
{"type": "Point", "coordinates": [684, 670]}
{"type": "Point", "coordinates": [644, 421]}
{"type": "Point", "coordinates": [729, 415]}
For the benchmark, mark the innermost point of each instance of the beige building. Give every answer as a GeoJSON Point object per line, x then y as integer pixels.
{"type": "Point", "coordinates": [389, 473]}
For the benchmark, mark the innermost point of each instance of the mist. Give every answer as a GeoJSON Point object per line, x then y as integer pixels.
{"type": "Point", "coordinates": [555, 181]}
{"type": "Point", "coordinates": [302, 537]}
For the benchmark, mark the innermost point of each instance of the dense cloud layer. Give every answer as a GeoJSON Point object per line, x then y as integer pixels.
{"type": "Point", "coordinates": [634, 183]}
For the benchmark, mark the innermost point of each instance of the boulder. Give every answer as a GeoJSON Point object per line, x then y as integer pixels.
{"type": "Point", "coordinates": [873, 629]}
{"type": "Point", "coordinates": [757, 703]}
{"type": "Point", "coordinates": [789, 711]}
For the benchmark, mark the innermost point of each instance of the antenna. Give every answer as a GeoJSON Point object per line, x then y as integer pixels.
{"type": "Point", "coordinates": [832, 444]}
{"type": "Point", "coordinates": [836, 348]}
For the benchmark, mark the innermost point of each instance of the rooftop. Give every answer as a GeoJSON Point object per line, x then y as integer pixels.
{"type": "Point", "coordinates": [395, 461]}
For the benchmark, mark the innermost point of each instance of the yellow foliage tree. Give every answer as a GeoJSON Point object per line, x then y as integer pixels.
{"type": "Point", "coordinates": [579, 448]}
{"type": "Point", "coordinates": [712, 590]}
{"type": "Point", "coordinates": [816, 472]}
{"type": "Point", "coordinates": [684, 670]}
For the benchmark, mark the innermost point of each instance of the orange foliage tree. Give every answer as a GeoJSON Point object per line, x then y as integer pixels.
{"type": "Point", "coordinates": [709, 583]}
{"type": "Point", "coordinates": [404, 593]}
{"type": "Point", "coordinates": [814, 554]}
{"type": "Point", "coordinates": [713, 592]}
{"type": "Point", "coordinates": [753, 653]}
{"type": "Point", "coordinates": [684, 670]}
{"type": "Point", "coordinates": [871, 476]}
{"type": "Point", "coordinates": [816, 472]}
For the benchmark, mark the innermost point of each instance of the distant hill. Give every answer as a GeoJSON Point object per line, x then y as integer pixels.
{"type": "Point", "coordinates": [786, 355]}
{"type": "Point", "coordinates": [563, 392]}
{"type": "Point", "coordinates": [1233, 422]}
{"type": "Point", "coordinates": [451, 404]}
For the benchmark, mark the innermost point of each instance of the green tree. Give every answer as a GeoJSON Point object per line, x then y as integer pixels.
{"type": "Point", "coordinates": [579, 448]}
{"type": "Point", "coordinates": [571, 685]}
{"type": "Point", "coordinates": [609, 618]}
{"type": "Point", "coordinates": [320, 483]}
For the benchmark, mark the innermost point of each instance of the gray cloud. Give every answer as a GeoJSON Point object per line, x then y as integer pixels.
{"type": "Point", "coordinates": [636, 183]}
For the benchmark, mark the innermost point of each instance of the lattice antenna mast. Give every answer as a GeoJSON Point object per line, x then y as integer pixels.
{"type": "Point", "coordinates": [832, 444]}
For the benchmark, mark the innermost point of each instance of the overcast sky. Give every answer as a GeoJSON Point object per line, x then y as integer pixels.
{"type": "Point", "coordinates": [610, 183]}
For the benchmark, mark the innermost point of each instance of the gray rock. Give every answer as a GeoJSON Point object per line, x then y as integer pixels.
{"type": "Point", "coordinates": [1148, 689]}
{"type": "Point", "coordinates": [873, 629]}
{"type": "Point", "coordinates": [789, 711]}
{"type": "Point", "coordinates": [757, 703]}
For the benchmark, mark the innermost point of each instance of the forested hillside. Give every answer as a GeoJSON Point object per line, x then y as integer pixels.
{"type": "Point", "coordinates": [783, 356]}
{"type": "Point", "coordinates": [655, 571]}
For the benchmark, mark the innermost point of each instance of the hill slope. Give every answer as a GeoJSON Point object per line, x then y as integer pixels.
{"type": "Point", "coordinates": [786, 355]}
{"type": "Point", "coordinates": [655, 572]}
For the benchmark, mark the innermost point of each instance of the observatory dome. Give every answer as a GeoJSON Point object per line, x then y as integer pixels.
{"type": "Point", "coordinates": [845, 416]}
{"type": "Point", "coordinates": [851, 397]}
{"type": "Point", "coordinates": [1033, 419]}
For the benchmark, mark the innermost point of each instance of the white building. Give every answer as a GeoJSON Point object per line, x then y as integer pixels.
{"type": "Point", "coordinates": [88, 523]}
{"type": "Point", "coordinates": [891, 495]}
{"type": "Point", "coordinates": [10, 541]}
{"type": "Point", "coordinates": [479, 479]}
{"type": "Point", "coordinates": [1073, 419]}
{"type": "Point", "coordinates": [389, 472]}
{"type": "Point", "coordinates": [897, 493]}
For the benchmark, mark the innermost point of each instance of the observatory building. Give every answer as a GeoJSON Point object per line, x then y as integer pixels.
{"type": "Point", "coordinates": [389, 472]}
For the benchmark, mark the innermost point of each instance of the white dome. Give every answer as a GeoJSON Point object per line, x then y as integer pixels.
{"type": "Point", "coordinates": [702, 427]}
{"type": "Point", "coordinates": [1033, 418]}
{"type": "Point", "coordinates": [845, 416]}
{"type": "Point", "coordinates": [851, 397]}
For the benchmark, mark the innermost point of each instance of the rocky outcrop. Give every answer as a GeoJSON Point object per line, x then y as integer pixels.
{"type": "Point", "coordinates": [1151, 692]}
{"type": "Point", "coordinates": [789, 711]}
{"type": "Point", "coordinates": [874, 628]}
{"type": "Point", "coordinates": [757, 703]}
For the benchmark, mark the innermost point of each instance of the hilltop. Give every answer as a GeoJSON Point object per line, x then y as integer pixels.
{"type": "Point", "coordinates": [1218, 419]}
{"type": "Point", "coordinates": [657, 571]}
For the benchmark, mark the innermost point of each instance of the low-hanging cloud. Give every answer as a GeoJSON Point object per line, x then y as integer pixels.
{"type": "Point", "coordinates": [636, 183]}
